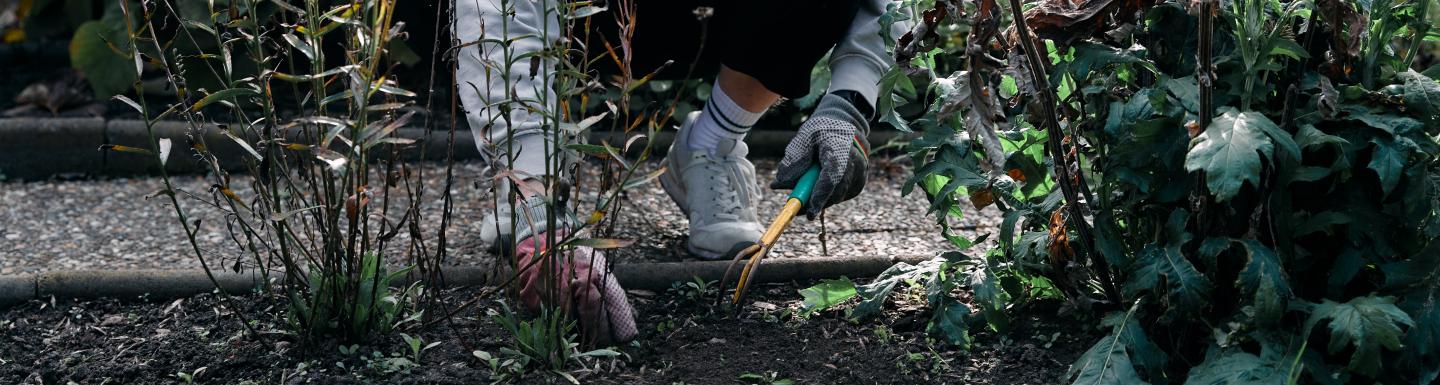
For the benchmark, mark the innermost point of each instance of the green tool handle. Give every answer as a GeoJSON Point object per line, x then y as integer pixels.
{"type": "Point", "coordinates": [806, 183]}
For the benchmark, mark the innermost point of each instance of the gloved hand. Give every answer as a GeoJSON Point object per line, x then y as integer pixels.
{"type": "Point", "coordinates": [584, 281]}
{"type": "Point", "coordinates": [835, 136]}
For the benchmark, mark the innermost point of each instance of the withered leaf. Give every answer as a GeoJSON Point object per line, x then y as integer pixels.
{"type": "Point", "coordinates": [1063, 21]}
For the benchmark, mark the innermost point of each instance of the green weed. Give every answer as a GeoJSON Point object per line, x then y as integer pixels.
{"type": "Point", "coordinates": [767, 378]}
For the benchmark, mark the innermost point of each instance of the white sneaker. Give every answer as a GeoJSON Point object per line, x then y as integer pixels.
{"type": "Point", "coordinates": [717, 192]}
{"type": "Point", "coordinates": [498, 234]}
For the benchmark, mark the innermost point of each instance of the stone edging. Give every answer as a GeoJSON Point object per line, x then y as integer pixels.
{"type": "Point", "coordinates": [37, 148]}
{"type": "Point", "coordinates": [161, 284]}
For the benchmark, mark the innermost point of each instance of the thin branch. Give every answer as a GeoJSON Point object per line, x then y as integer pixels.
{"type": "Point", "coordinates": [1049, 101]}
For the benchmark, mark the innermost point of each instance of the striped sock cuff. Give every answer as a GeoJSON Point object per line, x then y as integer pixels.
{"type": "Point", "coordinates": [729, 115]}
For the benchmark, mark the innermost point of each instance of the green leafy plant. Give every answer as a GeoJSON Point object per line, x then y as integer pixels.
{"type": "Point", "coordinates": [189, 378]}
{"type": "Point", "coordinates": [1240, 194]}
{"type": "Point", "coordinates": [110, 69]}
{"type": "Point", "coordinates": [384, 365]}
{"type": "Point", "coordinates": [373, 307]}
{"type": "Point", "coordinates": [767, 378]}
{"type": "Point", "coordinates": [694, 291]}
{"type": "Point", "coordinates": [936, 278]}
{"type": "Point", "coordinates": [927, 361]}
{"type": "Point", "coordinates": [414, 343]}
{"type": "Point", "coordinates": [327, 191]}
{"type": "Point", "coordinates": [826, 294]}
{"type": "Point", "coordinates": [545, 343]}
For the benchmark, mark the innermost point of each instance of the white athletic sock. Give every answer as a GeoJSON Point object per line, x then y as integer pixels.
{"type": "Point", "coordinates": [720, 119]}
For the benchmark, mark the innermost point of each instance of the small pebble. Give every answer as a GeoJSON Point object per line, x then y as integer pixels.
{"type": "Point", "coordinates": [123, 230]}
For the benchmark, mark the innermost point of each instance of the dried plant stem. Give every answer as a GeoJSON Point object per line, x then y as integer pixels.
{"type": "Point", "coordinates": [1204, 70]}
{"type": "Point", "coordinates": [1049, 101]}
{"type": "Point", "coordinates": [169, 191]}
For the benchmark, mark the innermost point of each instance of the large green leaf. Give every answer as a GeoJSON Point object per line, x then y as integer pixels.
{"type": "Point", "coordinates": [960, 170]}
{"type": "Point", "coordinates": [103, 55]}
{"type": "Point", "coordinates": [1184, 286]}
{"type": "Point", "coordinates": [1147, 356]}
{"type": "Point", "coordinates": [1236, 367]}
{"type": "Point", "coordinates": [1123, 115]}
{"type": "Point", "coordinates": [989, 297]}
{"type": "Point", "coordinates": [1165, 271]}
{"type": "Point", "coordinates": [1263, 280]}
{"type": "Point", "coordinates": [1420, 270]}
{"type": "Point", "coordinates": [1106, 363]}
{"type": "Point", "coordinates": [1347, 264]}
{"type": "Point", "coordinates": [1388, 161]}
{"type": "Point", "coordinates": [1185, 93]}
{"type": "Point", "coordinates": [1230, 150]}
{"type": "Point", "coordinates": [952, 320]}
{"type": "Point", "coordinates": [1144, 150]}
{"type": "Point", "coordinates": [1390, 123]}
{"type": "Point", "coordinates": [1368, 323]}
{"type": "Point", "coordinates": [1309, 137]}
{"type": "Point", "coordinates": [827, 293]}
{"type": "Point", "coordinates": [1422, 342]}
{"type": "Point", "coordinates": [873, 294]}
{"type": "Point", "coordinates": [1093, 56]}
{"type": "Point", "coordinates": [1422, 97]}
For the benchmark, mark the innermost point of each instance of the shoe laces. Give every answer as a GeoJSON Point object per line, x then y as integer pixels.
{"type": "Point", "coordinates": [727, 197]}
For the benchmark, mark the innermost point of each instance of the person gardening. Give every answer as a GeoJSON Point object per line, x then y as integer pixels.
{"type": "Point", "coordinates": [758, 52]}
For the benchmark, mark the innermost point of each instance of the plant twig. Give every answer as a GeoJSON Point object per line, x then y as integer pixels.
{"type": "Point", "coordinates": [1204, 74]}
{"type": "Point", "coordinates": [1049, 102]}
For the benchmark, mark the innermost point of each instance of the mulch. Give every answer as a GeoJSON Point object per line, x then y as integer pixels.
{"type": "Point", "coordinates": [684, 339]}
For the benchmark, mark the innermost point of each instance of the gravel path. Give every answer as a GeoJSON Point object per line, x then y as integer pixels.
{"type": "Point", "coordinates": [110, 223]}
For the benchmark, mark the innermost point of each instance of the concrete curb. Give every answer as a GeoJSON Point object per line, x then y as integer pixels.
{"type": "Point", "coordinates": [136, 283]}
{"type": "Point", "coordinates": [38, 148]}
{"type": "Point", "coordinates": [35, 148]}
{"type": "Point", "coordinates": [17, 289]}
{"type": "Point", "coordinates": [163, 284]}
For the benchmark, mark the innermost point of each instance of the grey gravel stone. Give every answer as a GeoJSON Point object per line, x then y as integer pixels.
{"type": "Point", "coordinates": [111, 224]}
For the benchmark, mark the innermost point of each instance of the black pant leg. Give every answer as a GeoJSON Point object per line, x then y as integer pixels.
{"type": "Point", "coordinates": [777, 42]}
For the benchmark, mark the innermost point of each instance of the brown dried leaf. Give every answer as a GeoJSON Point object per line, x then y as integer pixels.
{"type": "Point", "coordinates": [1063, 21]}
{"type": "Point", "coordinates": [983, 115]}
{"type": "Point", "coordinates": [981, 198]}
{"type": "Point", "coordinates": [121, 148]}
{"type": "Point", "coordinates": [601, 243]}
{"type": "Point", "coordinates": [1059, 248]}
{"type": "Point", "coordinates": [1016, 174]}
{"type": "Point", "coordinates": [922, 35]}
{"type": "Point", "coordinates": [355, 202]}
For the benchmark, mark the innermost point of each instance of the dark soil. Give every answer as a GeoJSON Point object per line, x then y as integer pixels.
{"type": "Point", "coordinates": [683, 340]}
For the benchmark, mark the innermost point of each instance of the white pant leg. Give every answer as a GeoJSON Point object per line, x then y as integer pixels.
{"type": "Point", "coordinates": [487, 91]}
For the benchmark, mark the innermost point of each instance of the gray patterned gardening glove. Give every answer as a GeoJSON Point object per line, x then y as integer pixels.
{"type": "Point", "coordinates": [835, 136]}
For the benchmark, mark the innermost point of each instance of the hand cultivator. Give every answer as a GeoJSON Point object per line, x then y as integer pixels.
{"type": "Point", "coordinates": [799, 197]}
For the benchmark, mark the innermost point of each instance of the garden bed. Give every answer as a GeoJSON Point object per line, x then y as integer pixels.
{"type": "Point", "coordinates": [683, 339]}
